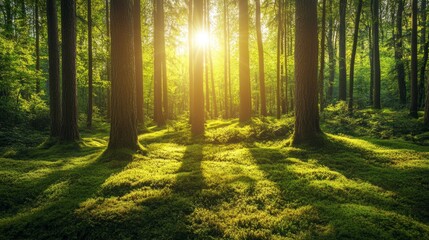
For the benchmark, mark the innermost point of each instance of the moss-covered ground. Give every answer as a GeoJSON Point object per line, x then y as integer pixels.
{"type": "Point", "coordinates": [239, 182]}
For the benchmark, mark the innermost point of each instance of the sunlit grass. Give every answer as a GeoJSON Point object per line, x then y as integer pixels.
{"type": "Point", "coordinates": [359, 188]}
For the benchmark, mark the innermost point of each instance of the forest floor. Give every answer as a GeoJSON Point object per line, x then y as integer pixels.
{"type": "Point", "coordinates": [239, 182]}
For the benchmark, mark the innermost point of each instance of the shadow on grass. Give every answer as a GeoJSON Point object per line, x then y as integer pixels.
{"type": "Point", "coordinates": [356, 192]}
{"type": "Point", "coordinates": [45, 199]}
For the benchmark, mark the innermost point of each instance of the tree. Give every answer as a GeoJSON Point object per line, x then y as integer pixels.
{"type": "Point", "coordinates": [399, 53]}
{"type": "Point", "coordinates": [322, 58]}
{"type": "Point", "coordinates": [54, 69]}
{"type": "Point", "coordinates": [414, 63]}
{"type": "Point", "coordinates": [69, 128]}
{"type": "Point", "coordinates": [108, 64]}
{"type": "Point", "coordinates": [158, 62]}
{"type": "Point", "coordinates": [331, 53]}
{"type": "Point", "coordinates": [261, 60]}
{"type": "Point", "coordinates": [244, 69]}
{"type": "Point", "coordinates": [342, 62]}
{"type": "Point", "coordinates": [307, 129]}
{"type": "Point", "coordinates": [123, 131]}
{"type": "Point", "coordinates": [279, 66]}
{"type": "Point", "coordinates": [425, 48]}
{"type": "Point", "coordinates": [353, 58]}
{"type": "Point", "coordinates": [90, 71]}
{"type": "Point", "coordinates": [376, 53]}
{"type": "Point", "coordinates": [197, 127]}
{"type": "Point", "coordinates": [226, 58]}
{"type": "Point", "coordinates": [37, 28]}
{"type": "Point", "coordinates": [138, 61]}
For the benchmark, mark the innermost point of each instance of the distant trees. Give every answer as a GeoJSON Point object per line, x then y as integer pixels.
{"type": "Point", "coordinates": [261, 60]}
{"type": "Point", "coordinates": [123, 131]}
{"type": "Point", "coordinates": [244, 69]}
{"type": "Point", "coordinates": [69, 127]}
{"type": "Point", "coordinates": [90, 67]}
{"type": "Point", "coordinates": [414, 61]}
{"type": "Point", "coordinates": [307, 129]}
{"type": "Point", "coordinates": [399, 53]}
{"type": "Point", "coordinates": [353, 58]}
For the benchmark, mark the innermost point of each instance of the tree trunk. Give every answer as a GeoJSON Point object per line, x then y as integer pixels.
{"type": "Point", "coordinates": [158, 62]}
{"type": "Point", "coordinates": [414, 62]}
{"type": "Point", "coordinates": [37, 26]}
{"type": "Point", "coordinates": [191, 64]}
{"type": "Point", "coordinates": [123, 132]}
{"type": "Point", "coordinates": [8, 18]}
{"type": "Point", "coordinates": [244, 69]}
{"type": "Point", "coordinates": [353, 58]}
{"type": "Point", "coordinates": [307, 129]}
{"type": "Point", "coordinates": [400, 69]}
{"type": "Point", "coordinates": [331, 54]}
{"type": "Point", "coordinates": [69, 127]}
{"type": "Point", "coordinates": [376, 53]}
{"type": "Point", "coordinates": [108, 64]}
{"type": "Point", "coordinates": [322, 58]}
{"type": "Point", "coordinates": [343, 70]}
{"type": "Point", "coordinates": [166, 108]}
{"type": "Point", "coordinates": [371, 63]}
{"type": "Point", "coordinates": [54, 69]}
{"type": "Point", "coordinates": [279, 37]}
{"type": "Point", "coordinates": [197, 127]}
{"type": "Point", "coordinates": [425, 47]}
{"type": "Point", "coordinates": [215, 109]}
{"type": "Point", "coordinates": [225, 63]}
{"type": "Point", "coordinates": [261, 60]}
{"type": "Point", "coordinates": [90, 75]}
{"type": "Point", "coordinates": [138, 61]}
{"type": "Point", "coordinates": [286, 51]}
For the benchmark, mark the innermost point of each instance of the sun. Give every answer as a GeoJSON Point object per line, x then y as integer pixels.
{"type": "Point", "coordinates": [202, 39]}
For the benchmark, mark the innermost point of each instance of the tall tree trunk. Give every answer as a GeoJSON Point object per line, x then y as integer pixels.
{"type": "Point", "coordinates": [197, 127]}
{"type": "Point", "coordinates": [425, 47]}
{"type": "Point", "coordinates": [371, 63]}
{"type": "Point", "coordinates": [353, 58]}
{"type": "Point", "coordinates": [108, 64]}
{"type": "Point", "coordinates": [138, 61]}
{"type": "Point", "coordinates": [90, 75]}
{"type": "Point", "coordinates": [331, 54]}
{"type": "Point", "coordinates": [69, 127]}
{"type": "Point", "coordinates": [343, 71]}
{"type": "Point", "coordinates": [225, 63]}
{"type": "Point", "coordinates": [261, 60]}
{"type": "Point", "coordinates": [123, 132]}
{"type": "Point", "coordinates": [414, 62]}
{"type": "Point", "coordinates": [279, 37]}
{"type": "Point", "coordinates": [322, 58]}
{"type": "Point", "coordinates": [307, 129]}
{"type": "Point", "coordinates": [165, 106]}
{"type": "Point", "coordinates": [8, 18]}
{"type": "Point", "coordinates": [191, 57]}
{"type": "Point", "coordinates": [215, 109]}
{"type": "Point", "coordinates": [376, 53]}
{"type": "Point", "coordinates": [54, 69]}
{"type": "Point", "coordinates": [286, 51]}
{"type": "Point", "coordinates": [244, 69]}
{"type": "Point", "coordinates": [37, 26]}
{"type": "Point", "coordinates": [400, 69]}
{"type": "Point", "coordinates": [158, 62]}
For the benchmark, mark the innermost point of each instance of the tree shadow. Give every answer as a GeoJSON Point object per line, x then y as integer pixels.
{"type": "Point", "coordinates": [373, 194]}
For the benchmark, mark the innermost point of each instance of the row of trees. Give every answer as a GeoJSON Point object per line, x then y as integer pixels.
{"type": "Point", "coordinates": [211, 90]}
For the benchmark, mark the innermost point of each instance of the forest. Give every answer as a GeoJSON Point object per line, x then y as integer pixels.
{"type": "Point", "coordinates": [214, 119]}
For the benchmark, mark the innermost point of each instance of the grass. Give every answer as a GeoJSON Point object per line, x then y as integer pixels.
{"type": "Point", "coordinates": [242, 184]}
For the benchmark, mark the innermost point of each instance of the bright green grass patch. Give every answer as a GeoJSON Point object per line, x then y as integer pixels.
{"type": "Point", "coordinates": [204, 189]}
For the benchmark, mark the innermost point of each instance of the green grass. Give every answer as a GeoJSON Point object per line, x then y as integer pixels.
{"type": "Point", "coordinates": [240, 187]}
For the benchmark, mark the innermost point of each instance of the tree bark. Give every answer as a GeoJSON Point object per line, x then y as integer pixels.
{"type": "Point", "coordinates": [197, 127]}
{"type": "Point", "coordinates": [158, 62]}
{"type": "Point", "coordinates": [123, 132]}
{"type": "Point", "coordinates": [215, 109]}
{"type": "Point", "coordinates": [343, 70]}
{"type": "Point", "coordinates": [307, 129]}
{"type": "Point", "coordinates": [261, 60]}
{"type": "Point", "coordinates": [353, 57]}
{"type": "Point", "coordinates": [376, 53]}
{"type": "Point", "coordinates": [225, 63]}
{"type": "Point", "coordinates": [399, 53]}
{"type": "Point", "coordinates": [54, 69]}
{"type": "Point", "coordinates": [425, 48]}
{"type": "Point", "coordinates": [138, 61]}
{"type": "Point", "coordinates": [279, 66]}
{"type": "Point", "coordinates": [69, 127]}
{"type": "Point", "coordinates": [244, 69]}
{"type": "Point", "coordinates": [108, 64]}
{"type": "Point", "coordinates": [191, 63]}
{"type": "Point", "coordinates": [331, 54]}
{"type": "Point", "coordinates": [414, 62]}
{"type": "Point", "coordinates": [90, 74]}
{"type": "Point", "coordinates": [322, 58]}
{"type": "Point", "coordinates": [37, 27]}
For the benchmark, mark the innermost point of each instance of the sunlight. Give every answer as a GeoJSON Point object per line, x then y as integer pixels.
{"type": "Point", "coordinates": [202, 39]}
